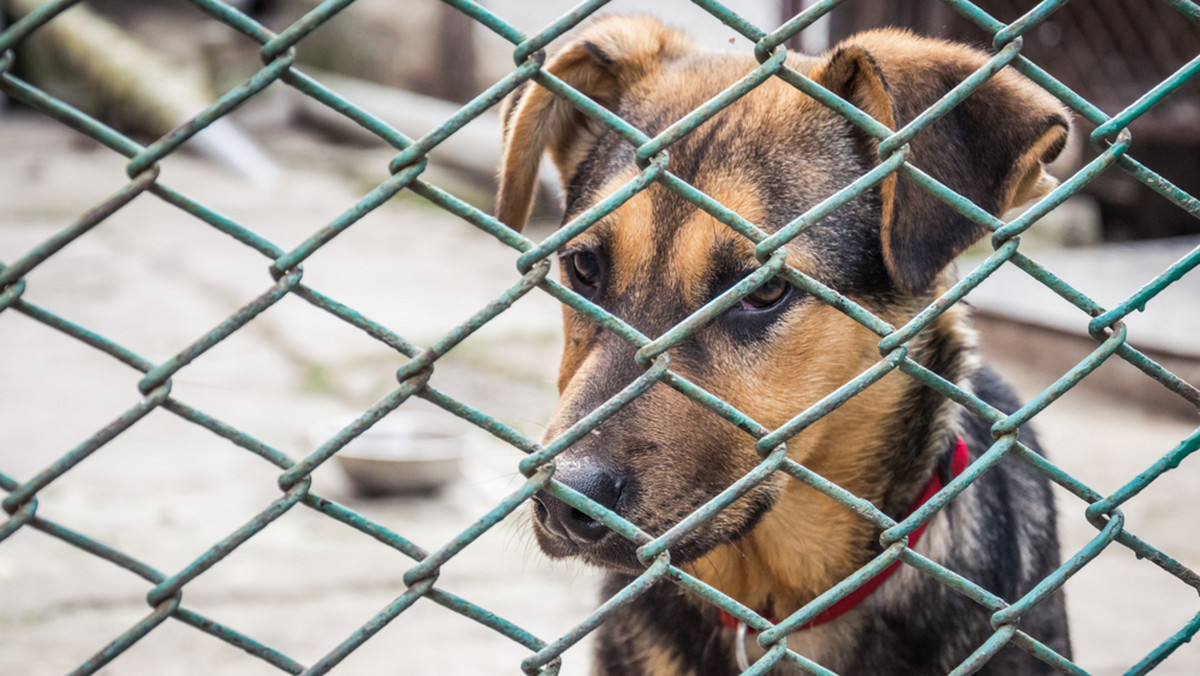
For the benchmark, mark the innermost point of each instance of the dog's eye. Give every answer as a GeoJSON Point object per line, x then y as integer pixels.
{"type": "Point", "coordinates": [583, 268]}
{"type": "Point", "coordinates": [770, 293]}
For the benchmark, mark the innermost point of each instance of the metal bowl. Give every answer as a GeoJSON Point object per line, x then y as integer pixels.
{"type": "Point", "coordinates": [403, 453]}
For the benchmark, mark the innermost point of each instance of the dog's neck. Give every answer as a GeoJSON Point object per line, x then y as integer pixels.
{"type": "Point", "coordinates": [808, 541]}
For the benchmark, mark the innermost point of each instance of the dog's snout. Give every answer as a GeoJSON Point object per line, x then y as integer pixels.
{"type": "Point", "coordinates": [593, 480]}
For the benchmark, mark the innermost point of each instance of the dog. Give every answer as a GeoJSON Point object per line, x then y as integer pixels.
{"type": "Point", "coordinates": [771, 156]}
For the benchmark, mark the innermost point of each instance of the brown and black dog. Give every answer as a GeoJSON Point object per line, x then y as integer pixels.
{"type": "Point", "coordinates": [770, 157]}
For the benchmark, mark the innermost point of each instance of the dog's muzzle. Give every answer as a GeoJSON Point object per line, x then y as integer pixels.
{"type": "Point", "coordinates": [567, 524]}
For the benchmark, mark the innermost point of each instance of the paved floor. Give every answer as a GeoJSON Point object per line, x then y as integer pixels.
{"type": "Point", "coordinates": [153, 279]}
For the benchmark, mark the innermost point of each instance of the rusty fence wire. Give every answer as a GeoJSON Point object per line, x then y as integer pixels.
{"type": "Point", "coordinates": [1111, 140]}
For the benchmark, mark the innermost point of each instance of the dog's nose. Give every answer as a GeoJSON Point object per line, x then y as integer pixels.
{"type": "Point", "coordinates": [563, 520]}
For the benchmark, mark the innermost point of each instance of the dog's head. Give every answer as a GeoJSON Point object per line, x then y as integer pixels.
{"type": "Point", "coordinates": [769, 156]}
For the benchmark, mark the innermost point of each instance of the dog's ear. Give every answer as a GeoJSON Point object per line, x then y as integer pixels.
{"type": "Point", "coordinates": [990, 148]}
{"type": "Point", "coordinates": [603, 60]}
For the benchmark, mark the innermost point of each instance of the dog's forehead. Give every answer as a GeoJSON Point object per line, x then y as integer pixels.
{"type": "Point", "coordinates": [652, 246]}
{"type": "Point", "coordinates": [774, 130]}
{"type": "Point", "coordinates": [769, 157]}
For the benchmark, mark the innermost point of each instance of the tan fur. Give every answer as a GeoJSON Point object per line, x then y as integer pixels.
{"type": "Point", "coordinates": [541, 121]}
{"type": "Point", "coordinates": [701, 233]}
{"type": "Point", "coordinates": [656, 660]}
{"type": "Point", "coordinates": [633, 236]}
{"type": "Point", "coordinates": [1033, 181]}
{"type": "Point", "coordinates": [809, 541]}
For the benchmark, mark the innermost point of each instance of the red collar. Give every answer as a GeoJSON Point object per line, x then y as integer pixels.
{"type": "Point", "coordinates": [958, 463]}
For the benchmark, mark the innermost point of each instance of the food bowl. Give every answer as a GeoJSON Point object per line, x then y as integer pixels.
{"type": "Point", "coordinates": [403, 453]}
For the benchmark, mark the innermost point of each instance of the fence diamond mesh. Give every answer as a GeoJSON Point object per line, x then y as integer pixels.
{"type": "Point", "coordinates": [165, 589]}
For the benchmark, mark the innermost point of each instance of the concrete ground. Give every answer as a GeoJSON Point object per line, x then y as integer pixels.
{"type": "Point", "coordinates": [153, 278]}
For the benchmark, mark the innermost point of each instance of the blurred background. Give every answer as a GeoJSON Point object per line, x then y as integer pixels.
{"type": "Point", "coordinates": [153, 279]}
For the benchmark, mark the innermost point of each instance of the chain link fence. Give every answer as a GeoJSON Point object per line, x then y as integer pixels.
{"type": "Point", "coordinates": [1111, 139]}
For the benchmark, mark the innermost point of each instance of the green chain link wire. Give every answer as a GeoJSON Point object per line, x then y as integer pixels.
{"type": "Point", "coordinates": [1111, 139]}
